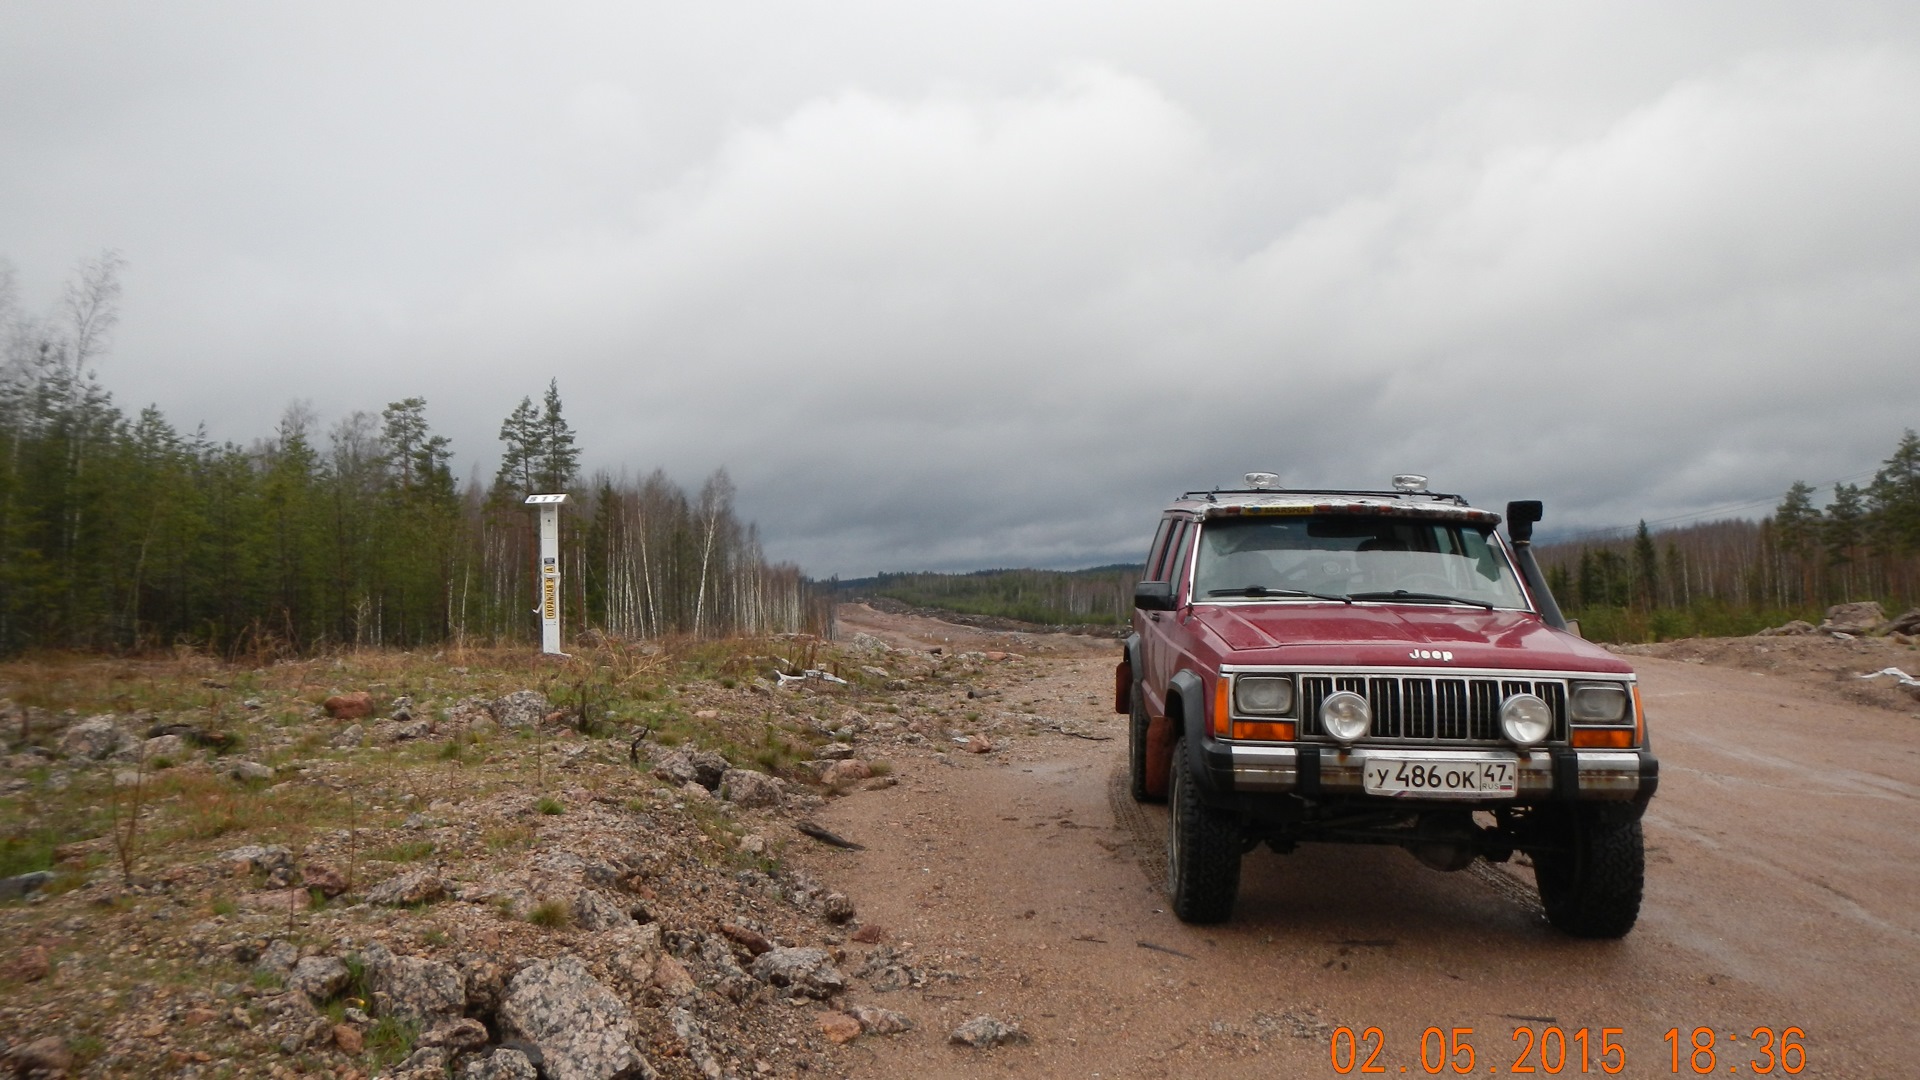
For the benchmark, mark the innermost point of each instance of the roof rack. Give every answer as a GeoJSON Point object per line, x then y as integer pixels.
{"type": "Point", "coordinates": [1437, 496]}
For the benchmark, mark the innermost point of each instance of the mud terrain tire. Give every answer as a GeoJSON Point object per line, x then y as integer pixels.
{"type": "Point", "coordinates": [1203, 850]}
{"type": "Point", "coordinates": [1591, 888]}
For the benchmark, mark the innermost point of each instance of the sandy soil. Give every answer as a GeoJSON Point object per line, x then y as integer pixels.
{"type": "Point", "coordinates": [1783, 861]}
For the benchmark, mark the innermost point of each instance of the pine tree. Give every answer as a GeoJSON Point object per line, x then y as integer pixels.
{"type": "Point", "coordinates": [1797, 524]}
{"type": "Point", "coordinates": [1843, 532]}
{"type": "Point", "coordinates": [1893, 499]}
{"type": "Point", "coordinates": [1646, 569]}
{"type": "Point", "coordinates": [1797, 520]}
{"type": "Point", "coordinates": [559, 460]}
{"type": "Point", "coordinates": [524, 447]}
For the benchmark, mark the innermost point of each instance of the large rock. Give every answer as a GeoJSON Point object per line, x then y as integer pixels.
{"type": "Point", "coordinates": [171, 747]}
{"type": "Point", "coordinates": [246, 771]}
{"type": "Point", "coordinates": [486, 977]}
{"type": "Point", "coordinates": [983, 1032]}
{"type": "Point", "coordinates": [875, 1020]}
{"type": "Point", "coordinates": [849, 771]}
{"type": "Point", "coordinates": [803, 972]}
{"type": "Point", "coordinates": [592, 911]}
{"type": "Point", "coordinates": [582, 1029]}
{"type": "Point", "coordinates": [279, 958]}
{"type": "Point", "coordinates": [672, 977]}
{"type": "Point", "coordinates": [257, 859]}
{"type": "Point", "coordinates": [410, 888]}
{"type": "Point", "coordinates": [504, 1063]}
{"type": "Point", "coordinates": [744, 787]}
{"type": "Point", "coordinates": [685, 765]}
{"type": "Point", "coordinates": [411, 988]}
{"type": "Point", "coordinates": [425, 1063]}
{"type": "Point", "coordinates": [329, 881]}
{"type": "Point", "coordinates": [694, 1038]}
{"type": "Point", "coordinates": [48, 1057]}
{"type": "Point", "coordinates": [465, 1033]}
{"type": "Point", "coordinates": [13, 888]}
{"type": "Point", "coordinates": [521, 709]}
{"type": "Point", "coordinates": [321, 978]}
{"type": "Point", "coordinates": [355, 706]}
{"type": "Point", "coordinates": [634, 951]}
{"type": "Point", "coordinates": [96, 738]}
{"type": "Point", "coordinates": [1907, 623]}
{"type": "Point", "coordinates": [838, 1027]}
{"type": "Point", "coordinates": [1860, 617]}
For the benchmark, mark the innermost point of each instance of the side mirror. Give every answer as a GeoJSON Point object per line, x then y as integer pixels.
{"type": "Point", "coordinates": [1153, 595]}
{"type": "Point", "coordinates": [1521, 516]}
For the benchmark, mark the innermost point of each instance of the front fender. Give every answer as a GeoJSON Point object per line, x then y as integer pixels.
{"type": "Point", "coordinates": [1207, 760]}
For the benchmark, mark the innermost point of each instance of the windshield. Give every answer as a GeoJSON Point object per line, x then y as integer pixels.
{"type": "Point", "coordinates": [1355, 557]}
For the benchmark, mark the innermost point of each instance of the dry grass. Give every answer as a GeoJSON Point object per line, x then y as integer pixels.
{"type": "Point", "coordinates": [182, 808]}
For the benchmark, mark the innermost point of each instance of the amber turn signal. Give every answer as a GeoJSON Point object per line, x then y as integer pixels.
{"type": "Point", "coordinates": [1264, 730]}
{"type": "Point", "coordinates": [1603, 738]}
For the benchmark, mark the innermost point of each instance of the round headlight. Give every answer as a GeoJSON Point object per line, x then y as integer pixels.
{"type": "Point", "coordinates": [1526, 719]}
{"type": "Point", "coordinates": [1345, 715]}
{"type": "Point", "coordinates": [1262, 695]}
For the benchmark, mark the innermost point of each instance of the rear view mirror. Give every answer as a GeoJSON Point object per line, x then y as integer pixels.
{"type": "Point", "coordinates": [1153, 595]}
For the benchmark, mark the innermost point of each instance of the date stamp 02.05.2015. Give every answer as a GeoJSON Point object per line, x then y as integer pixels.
{"type": "Point", "coordinates": [1555, 1051]}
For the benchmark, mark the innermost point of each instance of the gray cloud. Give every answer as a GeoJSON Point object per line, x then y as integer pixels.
{"type": "Point", "coordinates": [950, 288]}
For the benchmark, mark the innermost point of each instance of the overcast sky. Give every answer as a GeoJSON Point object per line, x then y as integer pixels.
{"type": "Point", "coordinates": [948, 286]}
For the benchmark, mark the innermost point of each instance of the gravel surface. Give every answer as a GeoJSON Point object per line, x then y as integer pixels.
{"type": "Point", "coordinates": [1782, 866]}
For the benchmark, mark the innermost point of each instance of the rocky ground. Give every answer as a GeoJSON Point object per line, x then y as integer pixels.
{"type": "Point", "coordinates": [1855, 656]}
{"type": "Point", "coordinates": [502, 866]}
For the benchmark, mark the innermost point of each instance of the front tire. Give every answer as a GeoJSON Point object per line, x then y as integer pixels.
{"type": "Point", "coordinates": [1137, 747]}
{"type": "Point", "coordinates": [1203, 850]}
{"type": "Point", "coordinates": [1592, 883]}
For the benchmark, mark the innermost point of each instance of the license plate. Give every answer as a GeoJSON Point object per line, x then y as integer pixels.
{"type": "Point", "coordinates": [1429, 779]}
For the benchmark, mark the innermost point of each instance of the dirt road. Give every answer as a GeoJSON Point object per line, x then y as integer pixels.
{"type": "Point", "coordinates": [1783, 866]}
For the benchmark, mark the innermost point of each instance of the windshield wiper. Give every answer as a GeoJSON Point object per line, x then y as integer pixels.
{"type": "Point", "coordinates": [1262, 591]}
{"type": "Point", "coordinates": [1421, 598]}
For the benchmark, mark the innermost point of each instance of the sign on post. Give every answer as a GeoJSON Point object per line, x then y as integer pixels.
{"type": "Point", "coordinates": [549, 609]}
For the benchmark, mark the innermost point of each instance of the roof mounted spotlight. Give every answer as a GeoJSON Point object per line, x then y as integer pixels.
{"type": "Point", "coordinates": [1263, 481]}
{"type": "Point", "coordinates": [1410, 483]}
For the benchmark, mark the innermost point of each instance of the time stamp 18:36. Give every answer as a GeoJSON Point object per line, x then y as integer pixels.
{"type": "Point", "coordinates": [1554, 1051]}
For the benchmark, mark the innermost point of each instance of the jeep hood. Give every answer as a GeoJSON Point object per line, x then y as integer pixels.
{"type": "Point", "coordinates": [1391, 635]}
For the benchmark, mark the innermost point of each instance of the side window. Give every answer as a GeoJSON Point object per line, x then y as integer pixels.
{"type": "Point", "coordinates": [1157, 554]}
{"type": "Point", "coordinates": [1182, 552]}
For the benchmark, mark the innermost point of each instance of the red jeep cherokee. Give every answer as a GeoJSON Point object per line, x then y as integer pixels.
{"type": "Point", "coordinates": [1378, 667]}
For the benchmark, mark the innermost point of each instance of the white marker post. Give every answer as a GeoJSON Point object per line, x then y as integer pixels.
{"type": "Point", "coordinates": [549, 609]}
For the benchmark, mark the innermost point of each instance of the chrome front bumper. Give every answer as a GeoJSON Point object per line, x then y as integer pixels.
{"type": "Point", "coordinates": [1562, 773]}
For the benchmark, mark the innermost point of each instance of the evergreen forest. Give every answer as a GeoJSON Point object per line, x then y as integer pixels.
{"type": "Point", "coordinates": [124, 532]}
{"type": "Point", "coordinates": [1724, 578]}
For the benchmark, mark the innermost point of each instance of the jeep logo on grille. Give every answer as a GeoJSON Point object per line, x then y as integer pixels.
{"type": "Point", "coordinates": [1430, 654]}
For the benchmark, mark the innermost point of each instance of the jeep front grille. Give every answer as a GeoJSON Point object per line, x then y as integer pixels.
{"type": "Point", "coordinates": [1431, 709]}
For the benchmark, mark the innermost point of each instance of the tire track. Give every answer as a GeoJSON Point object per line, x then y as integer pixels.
{"type": "Point", "coordinates": [1149, 843]}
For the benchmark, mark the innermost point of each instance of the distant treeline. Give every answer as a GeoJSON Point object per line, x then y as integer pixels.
{"type": "Point", "coordinates": [1735, 577]}
{"type": "Point", "coordinates": [1101, 596]}
{"type": "Point", "coordinates": [1721, 578]}
{"type": "Point", "coordinates": [123, 532]}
